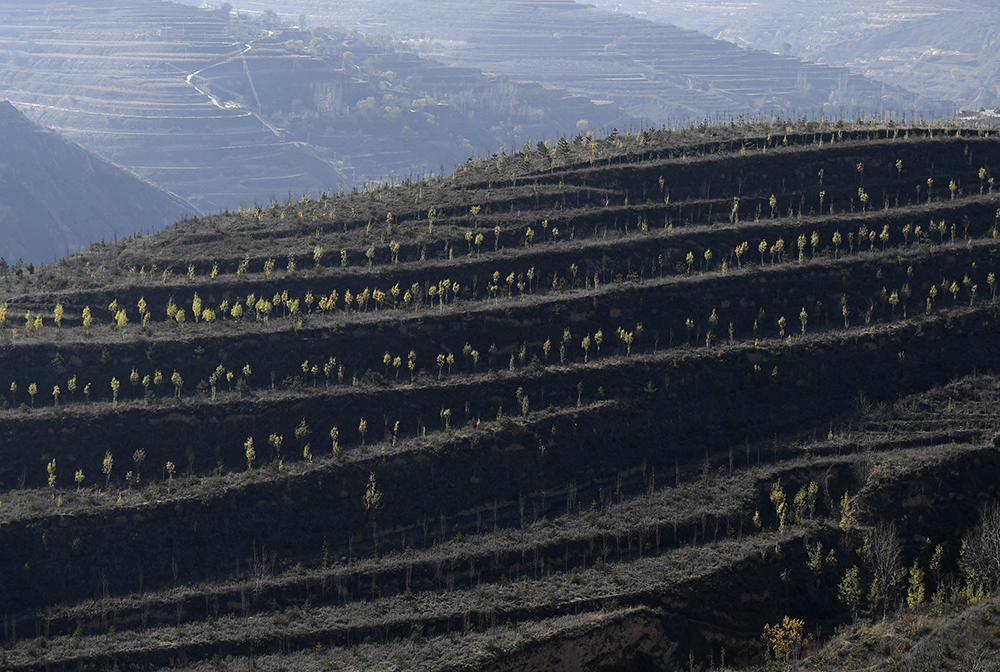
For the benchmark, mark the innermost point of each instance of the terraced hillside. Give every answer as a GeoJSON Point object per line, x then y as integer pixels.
{"type": "Point", "coordinates": [599, 404]}
{"type": "Point", "coordinates": [213, 106]}
{"type": "Point", "coordinates": [114, 77]}
{"type": "Point", "coordinates": [653, 70]}
{"type": "Point", "coordinates": [940, 49]}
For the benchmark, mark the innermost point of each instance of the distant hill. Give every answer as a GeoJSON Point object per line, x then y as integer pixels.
{"type": "Point", "coordinates": [56, 197]}
{"type": "Point", "coordinates": [946, 49]}
{"type": "Point", "coordinates": [225, 109]}
{"type": "Point", "coordinates": [660, 72]}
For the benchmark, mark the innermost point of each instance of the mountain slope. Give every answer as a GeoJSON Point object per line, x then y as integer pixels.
{"type": "Point", "coordinates": [627, 385]}
{"type": "Point", "coordinates": [948, 50]}
{"type": "Point", "coordinates": [56, 197]}
{"type": "Point", "coordinates": [213, 106]}
{"type": "Point", "coordinates": [652, 70]}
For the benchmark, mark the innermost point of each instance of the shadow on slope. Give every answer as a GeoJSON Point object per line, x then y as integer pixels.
{"type": "Point", "coordinates": [56, 197]}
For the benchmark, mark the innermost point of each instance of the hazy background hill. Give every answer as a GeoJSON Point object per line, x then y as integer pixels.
{"type": "Point", "coordinates": [653, 70]}
{"type": "Point", "coordinates": [56, 197]}
{"type": "Point", "coordinates": [111, 75]}
{"type": "Point", "coordinates": [225, 109]}
{"type": "Point", "coordinates": [235, 106]}
{"type": "Point", "coordinates": [948, 49]}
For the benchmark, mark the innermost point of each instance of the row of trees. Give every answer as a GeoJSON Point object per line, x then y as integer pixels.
{"type": "Point", "coordinates": [149, 383]}
{"type": "Point", "coordinates": [891, 300]}
{"type": "Point", "coordinates": [275, 445]}
{"type": "Point", "coordinates": [813, 245]}
{"type": "Point", "coordinates": [445, 291]}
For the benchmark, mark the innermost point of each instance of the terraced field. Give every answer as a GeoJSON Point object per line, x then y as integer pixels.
{"type": "Point", "coordinates": [529, 416]}
{"type": "Point", "coordinates": [654, 71]}
{"type": "Point", "coordinates": [120, 79]}
{"type": "Point", "coordinates": [941, 49]}
{"type": "Point", "coordinates": [214, 108]}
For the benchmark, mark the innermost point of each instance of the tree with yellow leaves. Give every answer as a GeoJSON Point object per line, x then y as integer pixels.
{"type": "Point", "coordinates": [846, 515]}
{"type": "Point", "coordinates": [849, 590]}
{"type": "Point", "coordinates": [786, 640]}
{"type": "Point", "coordinates": [739, 251]}
{"type": "Point", "coordinates": [778, 250]}
{"type": "Point", "coordinates": [916, 593]}
{"type": "Point", "coordinates": [275, 441]}
{"type": "Point", "coordinates": [372, 499]}
{"type": "Point", "coordinates": [780, 503]}
{"type": "Point", "coordinates": [51, 469]}
{"type": "Point", "coordinates": [335, 439]}
{"type": "Point", "coordinates": [106, 466]}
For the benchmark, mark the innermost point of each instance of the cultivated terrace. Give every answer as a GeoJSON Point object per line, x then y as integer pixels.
{"type": "Point", "coordinates": [705, 397]}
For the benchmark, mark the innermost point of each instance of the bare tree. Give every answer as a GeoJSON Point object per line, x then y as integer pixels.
{"type": "Point", "coordinates": [882, 553]}
{"type": "Point", "coordinates": [981, 549]}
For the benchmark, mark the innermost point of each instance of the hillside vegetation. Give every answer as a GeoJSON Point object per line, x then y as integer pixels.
{"type": "Point", "coordinates": [608, 401]}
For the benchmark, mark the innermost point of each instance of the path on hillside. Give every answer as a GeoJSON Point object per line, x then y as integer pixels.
{"type": "Point", "coordinates": [190, 79]}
